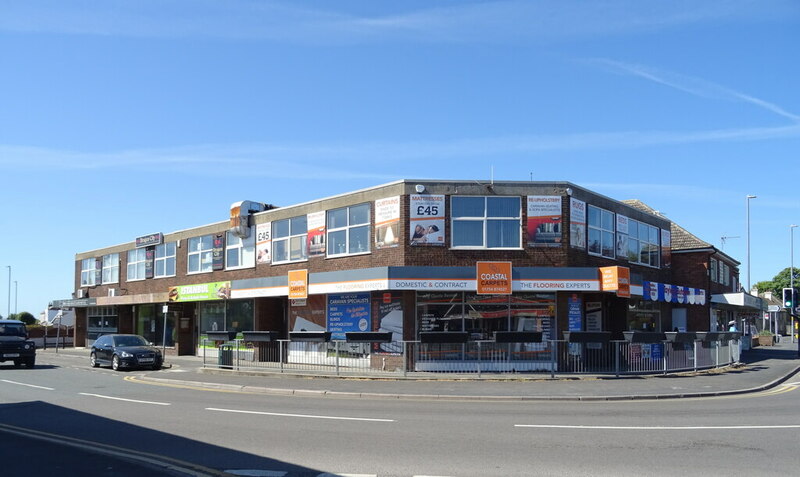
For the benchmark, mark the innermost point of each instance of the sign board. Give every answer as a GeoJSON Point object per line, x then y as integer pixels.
{"type": "Point", "coordinates": [616, 279]}
{"type": "Point", "coordinates": [148, 240]}
{"type": "Point", "coordinates": [298, 284]}
{"type": "Point", "coordinates": [200, 292]}
{"type": "Point", "coordinates": [494, 278]}
{"type": "Point", "coordinates": [773, 308]}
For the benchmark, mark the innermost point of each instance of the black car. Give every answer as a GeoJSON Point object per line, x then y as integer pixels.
{"type": "Point", "coordinates": [125, 352]}
{"type": "Point", "coordinates": [15, 345]}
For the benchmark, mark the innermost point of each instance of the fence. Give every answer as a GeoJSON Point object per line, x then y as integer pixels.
{"type": "Point", "coordinates": [471, 357]}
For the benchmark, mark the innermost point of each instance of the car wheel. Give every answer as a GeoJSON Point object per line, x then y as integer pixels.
{"type": "Point", "coordinates": [30, 363]}
{"type": "Point", "coordinates": [93, 360]}
{"type": "Point", "coordinates": [156, 367]}
{"type": "Point", "coordinates": [115, 363]}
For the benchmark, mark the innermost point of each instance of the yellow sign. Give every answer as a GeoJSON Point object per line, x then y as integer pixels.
{"type": "Point", "coordinates": [616, 279]}
{"type": "Point", "coordinates": [494, 278]}
{"type": "Point", "coordinates": [298, 284]}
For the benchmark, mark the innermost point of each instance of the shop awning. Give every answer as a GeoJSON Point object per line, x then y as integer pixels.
{"type": "Point", "coordinates": [739, 300]}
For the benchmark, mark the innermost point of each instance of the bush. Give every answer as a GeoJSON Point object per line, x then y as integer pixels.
{"type": "Point", "coordinates": [765, 333]}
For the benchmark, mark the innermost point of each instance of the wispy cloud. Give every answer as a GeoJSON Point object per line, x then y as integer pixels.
{"type": "Point", "coordinates": [495, 21]}
{"type": "Point", "coordinates": [692, 85]}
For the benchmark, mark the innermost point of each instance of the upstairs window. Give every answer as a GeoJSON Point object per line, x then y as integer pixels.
{"type": "Point", "coordinates": [348, 230]}
{"type": "Point", "coordinates": [601, 232]}
{"type": "Point", "coordinates": [136, 264]}
{"type": "Point", "coordinates": [486, 222]}
{"type": "Point", "coordinates": [88, 269]}
{"type": "Point", "coordinates": [289, 240]}
{"type": "Point", "coordinates": [643, 244]}
{"type": "Point", "coordinates": [111, 268]}
{"type": "Point", "coordinates": [165, 260]}
{"type": "Point", "coordinates": [239, 252]}
{"type": "Point", "coordinates": [200, 255]}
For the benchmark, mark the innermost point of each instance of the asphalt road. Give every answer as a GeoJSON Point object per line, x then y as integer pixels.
{"type": "Point", "coordinates": [210, 431]}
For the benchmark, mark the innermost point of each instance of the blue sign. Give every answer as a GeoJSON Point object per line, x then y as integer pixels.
{"type": "Point", "coordinates": [575, 313]}
{"type": "Point", "coordinates": [348, 312]}
{"type": "Point", "coordinates": [656, 351]}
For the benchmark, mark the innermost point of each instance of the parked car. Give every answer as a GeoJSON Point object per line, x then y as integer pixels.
{"type": "Point", "coordinates": [15, 345]}
{"type": "Point", "coordinates": [125, 352]}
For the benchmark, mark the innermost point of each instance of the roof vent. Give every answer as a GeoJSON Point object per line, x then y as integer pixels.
{"type": "Point", "coordinates": [240, 216]}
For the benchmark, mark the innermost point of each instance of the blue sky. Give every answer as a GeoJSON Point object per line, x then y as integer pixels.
{"type": "Point", "coordinates": [120, 118]}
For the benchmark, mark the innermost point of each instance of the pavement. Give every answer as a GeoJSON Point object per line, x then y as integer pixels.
{"type": "Point", "coordinates": [760, 369]}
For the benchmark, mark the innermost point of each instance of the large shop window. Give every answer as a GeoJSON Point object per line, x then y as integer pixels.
{"type": "Point", "coordinates": [644, 316]}
{"type": "Point", "coordinates": [601, 232]}
{"type": "Point", "coordinates": [482, 315]}
{"type": "Point", "coordinates": [111, 268]}
{"type": "Point", "coordinates": [486, 222]}
{"type": "Point", "coordinates": [289, 240]}
{"type": "Point", "coordinates": [100, 320]}
{"type": "Point", "coordinates": [150, 325]}
{"type": "Point", "coordinates": [643, 243]}
{"type": "Point", "coordinates": [348, 230]}
{"type": "Point", "coordinates": [229, 315]}
{"type": "Point", "coordinates": [200, 255]}
{"type": "Point", "coordinates": [88, 268]}
{"type": "Point", "coordinates": [240, 252]}
{"type": "Point", "coordinates": [136, 264]}
{"type": "Point", "coordinates": [165, 260]}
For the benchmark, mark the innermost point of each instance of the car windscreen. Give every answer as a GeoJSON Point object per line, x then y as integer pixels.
{"type": "Point", "coordinates": [129, 341]}
{"type": "Point", "coordinates": [12, 329]}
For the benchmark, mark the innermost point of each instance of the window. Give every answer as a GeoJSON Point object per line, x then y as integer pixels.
{"type": "Point", "coordinates": [111, 268]}
{"type": "Point", "coordinates": [725, 279]}
{"type": "Point", "coordinates": [165, 260]}
{"type": "Point", "coordinates": [486, 222]}
{"type": "Point", "coordinates": [713, 272]}
{"type": "Point", "coordinates": [88, 269]}
{"type": "Point", "coordinates": [240, 252]}
{"type": "Point", "coordinates": [348, 230]}
{"type": "Point", "coordinates": [601, 232]}
{"type": "Point", "coordinates": [289, 240]}
{"type": "Point", "coordinates": [643, 244]}
{"type": "Point", "coordinates": [200, 255]}
{"type": "Point", "coordinates": [136, 264]}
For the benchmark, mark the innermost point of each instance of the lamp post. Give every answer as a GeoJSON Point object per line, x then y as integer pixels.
{"type": "Point", "coordinates": [16, 295]}
{"type": "Point", "coordinates": [791, 275]}
{"type": "Point", "coordinates": [748, 240]}
{"type": "Point", "coordinates": [8, 313]}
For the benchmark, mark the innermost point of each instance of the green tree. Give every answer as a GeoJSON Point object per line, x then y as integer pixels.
{"type": "Point", "coordinates": [779, 282]}
{"type": "Point", "coordinates": [24, 317]}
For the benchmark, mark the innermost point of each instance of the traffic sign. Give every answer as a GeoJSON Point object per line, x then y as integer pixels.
{"type": "Point", "coordinates": [773, 308]}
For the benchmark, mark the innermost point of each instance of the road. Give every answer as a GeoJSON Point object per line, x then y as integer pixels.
{"type": "Point", "coordinates": [242, 433]}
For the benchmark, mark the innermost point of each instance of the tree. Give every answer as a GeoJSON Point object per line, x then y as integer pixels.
{"type": "Point", "coordinates": [24, 317]}
{"type": "Point", "coordinates": [779, 282]}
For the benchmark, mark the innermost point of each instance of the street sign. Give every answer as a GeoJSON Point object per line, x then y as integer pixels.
{"type": "Point", "coordinates": [773, 308]}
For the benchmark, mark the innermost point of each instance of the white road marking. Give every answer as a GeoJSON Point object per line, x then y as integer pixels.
{"type": "Point", "coordinates": [126, 400]}
{"type": "Point", "coordinates": [28, 385]}
{"type": "Point", "coordinates": [327, 474]}
{"type": "Point", "coordinates": [256, 472]}
{"type": "Point", "coordinates": [308, 416]}
{"type": "Point", "coordinates": [656, 428]}
{"type": "Point", "coordinates": [797, 383]}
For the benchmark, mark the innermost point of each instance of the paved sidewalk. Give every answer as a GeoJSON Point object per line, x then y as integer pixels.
{"type": "Point", "coordinates": [761, 368]}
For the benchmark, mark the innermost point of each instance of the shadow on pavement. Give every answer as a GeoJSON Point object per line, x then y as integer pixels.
{"type": "Point", "coordinates": [67, 424]}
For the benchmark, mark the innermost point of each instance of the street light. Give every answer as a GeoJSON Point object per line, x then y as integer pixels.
{"type": "Point", "coordinates": [748, 240]}
{"type": "Point", "coordinates": [9, 291]}
{"type": "Point", "coordinates": [791, 274]}
{"type": "Point", "coordinates": [16, 295]}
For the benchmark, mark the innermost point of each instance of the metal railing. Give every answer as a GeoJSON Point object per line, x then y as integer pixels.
{"type": "Point", "coordinates": [472, 357]}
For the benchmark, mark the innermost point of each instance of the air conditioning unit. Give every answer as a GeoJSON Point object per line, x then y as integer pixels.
{"type": "Point", "coordinates": [81, 293]}
{"type": "Point", "coordinates": [112, 292]}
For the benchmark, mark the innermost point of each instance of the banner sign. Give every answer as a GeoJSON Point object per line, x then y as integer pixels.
{"type": "Point", "coordinates": [298, 284]}
{"type": "Point", "coordinates": [426, 215]}
{"type": "Point", "coordinates": [264, 243]}
{"type": "Point", "coordinates": [387, 222]}
{"type": "Point", "coordinates": [622, 237]}
{"type": "Point", "coordinates": [577, 223]}
{"type": "Point", "coordinates": [149, 262]}
{"type": "Point", "coordinates": [348, 312]}
{"type": "Point", "coordinates": [218, 252]}
{"type": "Point", "coordinates": [494, 278]}
{"type": "Point", "coordinates": [148, 240]}
{"type": "Point", "coordinates": [575, 312]}
{"type": "Point", "coordinates": [544, 220]}
{"type": "Point", "coordinates": [200, 292]}
{"type": "Point", "coordinates": [653, 291]}
{"type": "Point", "coordinates": [616, 279]}
{"type": "Point", "coordinates": [316, 234]}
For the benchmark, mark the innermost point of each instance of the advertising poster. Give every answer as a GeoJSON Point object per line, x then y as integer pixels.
{"type": "Point", "coordinates": [544, 220]}
{"type": "Point", "coordinates": [298, 284]}
{"type": "Point", "coordinates": [622, 237]}
{"type": "Point", "coordinates": [316, 234]}
{"type": "Point", "coordinates": [308, 317]}
{"type": "Point", "coordinates": [200, 292]}
{"type": "Point", "coordinates": [574, 305]}
{"type": "Point", "coordinates": [218, 252]}
{"type": "Point", "coordinates": [666, 249]}
{"type": "Point", "coordinates": [348, 312]}
{"type": "Point", "coordinates": [426, 219]}
{"type": "Point", "coordinates": [387, 222]}
{"type": "Point", "coordinates": [264, 243]}
{"type": "Point", "coordinates": [149, 262]}
{"type": "Point", "coordinates": [388, 312]}
{"type": "Point", "coordinates": [577, 223]}
{"type": "Point", "coordinates": [494, 278]}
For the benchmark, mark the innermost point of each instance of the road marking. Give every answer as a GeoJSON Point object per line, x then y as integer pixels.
{"type": "Point", "coordinates": [28, 385]}
{"type": "Point", "coordinates": [308, 416]}
{"type": "Point", "coordinates": [256, 472]}
{"type": "Point", "coordinates": [328, 474]}
{"type": "Point", "coordinates": [126, 400]}
{"type": "Point", "coordinates": [656, 428]}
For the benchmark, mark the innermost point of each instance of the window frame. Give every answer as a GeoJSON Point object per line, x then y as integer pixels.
{"type": "Point", "coordinates": [485, 221]}
{"type": "Point", "coordinates": [603, 231]}
{"type": "Point", "coordinates": [89, 272]}
{"type": "Point", "coordinates": [348, 230]}
{"type": "Point", "coordinates": [287, 239]}
{"type": "Point", "coordinates": [136, 263]}
{"type": "Point", "coordinates": [655, 251]}
{"type": "Point", "coordinates": [241, 246]}
{"type": "Point", "coordinates": [110, 268]}
{"type": "Point", "coordinates": [166, 258]}
{"type": "Point", "coordinates": [199, 253]}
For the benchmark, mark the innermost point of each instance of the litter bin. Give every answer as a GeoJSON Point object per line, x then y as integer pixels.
{"type": "Point", "coordinates": [225, 360]}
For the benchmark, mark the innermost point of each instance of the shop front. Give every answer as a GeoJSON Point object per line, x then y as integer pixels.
{"type": "Point", "coordinates": [738, 312]}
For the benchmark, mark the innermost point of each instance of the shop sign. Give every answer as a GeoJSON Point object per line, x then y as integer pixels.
{"type": "Point", "coordinates": [149, 262]}
{"type": "Point", "coordinates": [74, 303]}
{"type": "Point", "coordinates": [315, 223]}
{"type": "Point", "coordinates": [263, 243]}
{"type": "Point", "coordinates": [149, 240]}
{"type": "Point", "coordinates": [575, 312]}
{"type": "Point", "coordinates": [387, 222]}
{"type": "Point", "coordinates": [494, 278]}
{"type": "Point", "coordinates": [348, 312]}
{"type": "Point", "coordinates": [432, 285]}
{"type": "Point", "coordinates": [544, 221]}
{"type": "Point", "coordinates": [617, 279]}
{"type": "Point", "coordinates": [577, 223]}
{"type": "Point", "coordinates": [426, 215]}
{"type": "Point", "coordinates": [200, 292]}
{"type": "Point", "coordinates": [218, 252]}
{"type": "Point", "coordinates": [653, 291]}
{"type": "Point", "coordinates": [298, 284]}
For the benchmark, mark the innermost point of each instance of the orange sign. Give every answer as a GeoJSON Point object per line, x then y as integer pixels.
{"type": "Point", "coordinates": [616, 279]}
{"type": "Point", "coordinates": [494, 278]}
{"type": "Point", "coordinates": [298, 284]}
